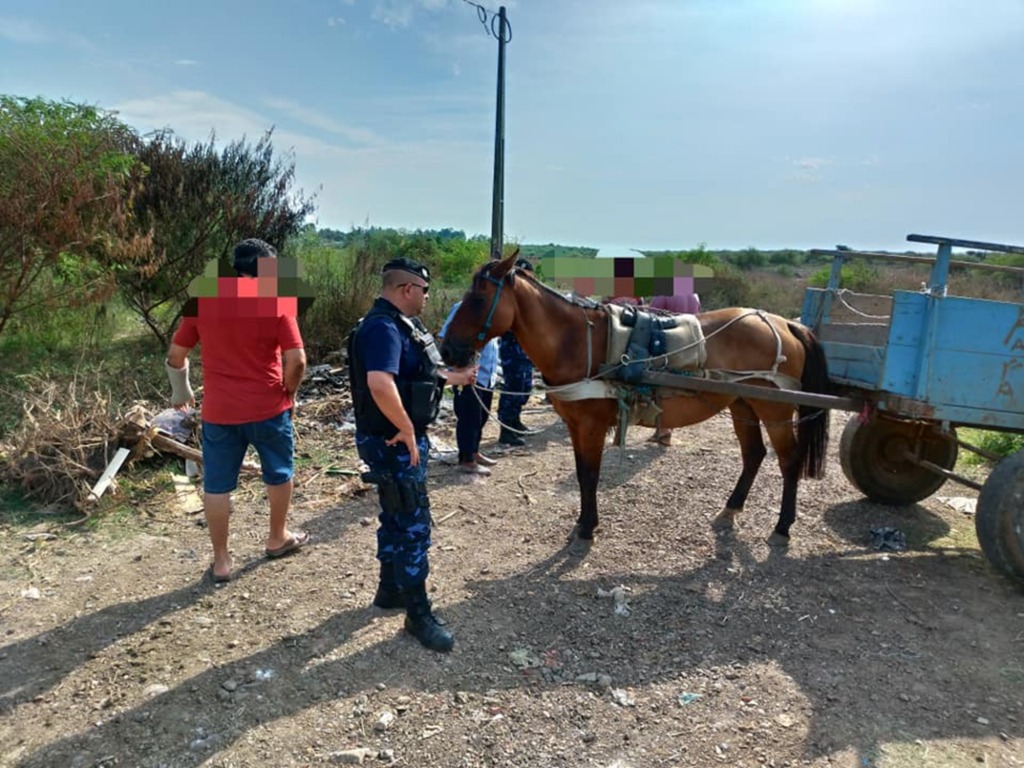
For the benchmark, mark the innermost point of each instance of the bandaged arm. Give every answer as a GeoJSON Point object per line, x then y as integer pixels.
{"type": "Point", "coordinates": [177, 372]}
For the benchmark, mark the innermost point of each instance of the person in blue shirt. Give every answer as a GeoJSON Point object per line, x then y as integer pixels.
{"type": "Point", "coordinates": [471, 413]}
{"type": "Point", "coordinates": [397, 381]}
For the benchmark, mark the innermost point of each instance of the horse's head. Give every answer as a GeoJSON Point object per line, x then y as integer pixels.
{"type": "Point", "coordinates": [488, 310]}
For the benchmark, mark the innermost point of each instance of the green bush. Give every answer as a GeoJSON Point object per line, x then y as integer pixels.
{"type": "Point", "coordinates": [858, 276]}
{"type": "Point", "coordinates": [1000, 443]}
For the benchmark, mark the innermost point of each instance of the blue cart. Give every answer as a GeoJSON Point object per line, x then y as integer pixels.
{"type": "Point", "coordinates": [923, 363]}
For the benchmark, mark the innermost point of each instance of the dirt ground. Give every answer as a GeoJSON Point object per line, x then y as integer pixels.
{"type": "Point", "coordinates": [715, 651]}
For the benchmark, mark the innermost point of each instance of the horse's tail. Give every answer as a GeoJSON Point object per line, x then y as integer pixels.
{"type": "Point", "coordinates": [812, 428]}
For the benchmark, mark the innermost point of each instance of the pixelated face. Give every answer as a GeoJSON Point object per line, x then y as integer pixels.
{"type": "Point", "coordinates": [486, 312]}
{"type": "Point", "coordinates": [278, 290]}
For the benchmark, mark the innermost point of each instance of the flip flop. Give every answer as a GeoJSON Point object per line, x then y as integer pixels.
{"type": "Point", "coordinates": [216, 579]}
{"type": "Point", "coordinates": [294, 543]}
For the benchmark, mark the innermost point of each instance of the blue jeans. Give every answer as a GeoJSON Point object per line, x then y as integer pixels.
{"type": "Point", "coordinates": [224, 447]}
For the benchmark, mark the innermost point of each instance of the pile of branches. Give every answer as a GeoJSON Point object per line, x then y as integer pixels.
{"type": "Point", "coordinates": [69, 434]}
{"type": "Point", "coordinates": [66, 438]}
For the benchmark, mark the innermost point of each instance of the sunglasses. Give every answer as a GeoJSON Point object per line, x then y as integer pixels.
{"type": "Point", "coordinates": [424, 288]}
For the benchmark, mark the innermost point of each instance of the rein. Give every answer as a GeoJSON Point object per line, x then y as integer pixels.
{"type": "Point", "coordinates": [494, 303]}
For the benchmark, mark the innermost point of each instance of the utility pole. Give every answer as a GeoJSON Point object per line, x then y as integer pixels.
{"type": "Point", "coordinates": [504, 34]}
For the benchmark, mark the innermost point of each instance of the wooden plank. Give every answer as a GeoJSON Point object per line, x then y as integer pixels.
{"type": "Point", "coordinates": [750, 391]}
{"type": "Point", "coordinates": [108, 474]}
{"type": "Point", "coordinates": [974, 245]}
{"type": "Point", "coordinates": [187, 499]}
{"type": "Point", "coordinates": [921, 260]}
{"type": "Point", "coordinates": [864, 334]}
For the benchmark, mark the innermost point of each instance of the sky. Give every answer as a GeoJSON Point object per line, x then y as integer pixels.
{"type": "Point", "coordinates": [648, 124]}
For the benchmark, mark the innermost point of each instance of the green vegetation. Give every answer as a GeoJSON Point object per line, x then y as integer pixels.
{"type": "Point", "coordinates": [1000, 443]}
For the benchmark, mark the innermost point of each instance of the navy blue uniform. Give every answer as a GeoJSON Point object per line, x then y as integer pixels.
{"type": "Point", "coordinates": [517, 372]}
{"type": "Point", "coordinates": [380, 344]}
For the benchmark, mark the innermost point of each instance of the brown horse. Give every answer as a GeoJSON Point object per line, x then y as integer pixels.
{"type": "Point", "coordinates": [555, 333]}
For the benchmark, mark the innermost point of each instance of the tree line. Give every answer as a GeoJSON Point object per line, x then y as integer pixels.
{"type": "Point", "coordinates": [92, 209]}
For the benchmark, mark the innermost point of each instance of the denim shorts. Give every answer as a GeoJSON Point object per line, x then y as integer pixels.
{"type": "Point", "coordinates": [224, 447]}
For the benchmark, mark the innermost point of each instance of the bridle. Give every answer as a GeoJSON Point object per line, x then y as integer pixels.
{"type": "Point", "coordinates": [494, 302]}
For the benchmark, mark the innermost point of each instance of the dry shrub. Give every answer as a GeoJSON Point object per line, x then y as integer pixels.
{"type": "Point", "coordinates": [68, 434]}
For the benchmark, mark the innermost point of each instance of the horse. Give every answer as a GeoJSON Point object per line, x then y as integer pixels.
{"type": "Point", "coordinates": [566, 340]}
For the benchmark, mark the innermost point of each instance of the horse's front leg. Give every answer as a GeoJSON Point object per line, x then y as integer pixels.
{"type": "Point", "coordinates": [588, 446]}
{"type": "Point", "coordinates": [747, 426]}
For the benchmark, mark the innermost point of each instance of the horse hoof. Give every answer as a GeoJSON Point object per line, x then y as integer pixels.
{"type": "Point", "coordinates": [576, 534]}
{"type": "Point", "coordinates": [580, 547]}
{"type": "Point", "coordinates": [725, 521]}
{"type": "Point", "coordinates": [778, 540]}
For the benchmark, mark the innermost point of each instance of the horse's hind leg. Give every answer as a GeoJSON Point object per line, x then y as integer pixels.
{"type": "Point", "coordinates": [780, 431]}
{"type": "Point", "coordinates": [747, 426]}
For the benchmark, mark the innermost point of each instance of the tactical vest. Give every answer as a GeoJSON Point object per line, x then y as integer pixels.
{"type": "Point", "coordinates": [421, 394]}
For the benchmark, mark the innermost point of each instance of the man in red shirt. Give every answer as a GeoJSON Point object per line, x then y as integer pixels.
{"type": "Point", "coordinates": [253, 362]}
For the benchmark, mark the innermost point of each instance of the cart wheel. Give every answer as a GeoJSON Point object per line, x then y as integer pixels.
{"type": "Point", "coordinates": [873, 457]}
{"type": "Point", "coordinates": [999, 519]}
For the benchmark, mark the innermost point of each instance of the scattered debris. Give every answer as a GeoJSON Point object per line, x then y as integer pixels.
{"type": "Point", "coordinates": [384, 720]}
{"type": "Point", "coordinates": [961, 504]}
{"type": "Point", "coordinates": [350, 756]}
{"type": "Point", "coordinates": [618, 594]}
{"type": "Point", "coordinates": [108, 474]}
{"type": "Point", "coordinates": [524, 658]}
{"type": "Point", "coordinates": [687, 698]}
{"type": "Point", "coordinates": [622, 698]}
{"type": "Point", "coordinates": [888, 539]}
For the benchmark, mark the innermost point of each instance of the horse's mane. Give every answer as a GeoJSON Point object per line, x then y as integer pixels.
{"type": "Point", "coordinates": [571, 297]}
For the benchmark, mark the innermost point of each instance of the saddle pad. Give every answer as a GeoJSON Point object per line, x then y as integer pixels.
{"type": "Point", "coordinates": [684, 344]}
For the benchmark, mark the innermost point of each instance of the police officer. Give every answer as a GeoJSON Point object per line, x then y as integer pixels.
{"type": "Point", "coordinates": [397, 382]}
{"type": "Point", "coordinates": [517, 375]}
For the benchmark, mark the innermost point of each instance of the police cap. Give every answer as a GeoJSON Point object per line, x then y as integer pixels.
{"type": "Point", "coordinates": [524, 264]}
{"type": "Point", "coordinates": [411, 266]}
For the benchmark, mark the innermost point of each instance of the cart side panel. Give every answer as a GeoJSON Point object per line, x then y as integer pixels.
{"type": "Point", "coordinates": [853, 330]}
{"type": "Point", "coordinates": [958, 353]}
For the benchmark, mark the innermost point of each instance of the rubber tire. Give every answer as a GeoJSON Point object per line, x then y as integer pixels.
{"type": "Point", "coordinates": [999, 517]}
{"type": "Point", "coordinates": [870, 454]}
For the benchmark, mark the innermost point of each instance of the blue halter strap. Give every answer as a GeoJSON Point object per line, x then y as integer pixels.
{"type": "Point", "coordinates": [494, 305]}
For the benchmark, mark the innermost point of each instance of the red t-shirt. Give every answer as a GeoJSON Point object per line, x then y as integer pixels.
{"type": "Point", "coordinates": [243, 378]}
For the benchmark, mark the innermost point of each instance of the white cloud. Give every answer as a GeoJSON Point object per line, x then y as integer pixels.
{"type": "Point", "coordinates": [186, 62]}
{"type": "Point", "coordinates": [316, 119]}
{"type": "Point", "coordinates": [400, 13]}
{"type": "Point", "coordinates": [193, 115]}
{"type": "Point", "coordinates": [808, 169]}
{"type": "Point", "coordinates": [21, 31]}
{"type": "Point", "coordinates": [811, 163]}
{"type": "Point", "coordinates": [335, 21]}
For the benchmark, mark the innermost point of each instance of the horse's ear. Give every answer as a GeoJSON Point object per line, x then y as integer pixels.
{"type": "Point", "coordinates": [504, 266]}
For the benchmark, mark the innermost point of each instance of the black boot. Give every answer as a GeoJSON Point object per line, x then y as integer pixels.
{"type": "Point", "coordinates": [422, 624]}
{"type": "Point", "coordinates": [388, 596]}
{"type": "Point", "coordinates": [508, 437]}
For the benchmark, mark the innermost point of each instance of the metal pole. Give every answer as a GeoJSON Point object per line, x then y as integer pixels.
{"type": "Point", "coordinates": [498, 197]}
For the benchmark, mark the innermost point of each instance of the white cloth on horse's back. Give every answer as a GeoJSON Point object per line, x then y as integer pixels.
{"type": "Point", "coordinates": [684, 344]}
